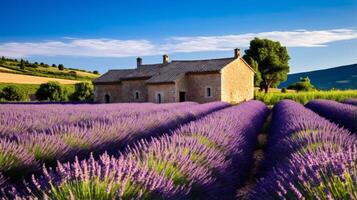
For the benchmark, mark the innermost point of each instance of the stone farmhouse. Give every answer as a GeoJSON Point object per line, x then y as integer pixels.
{"type": "Point", "coordinates": [224, 79]}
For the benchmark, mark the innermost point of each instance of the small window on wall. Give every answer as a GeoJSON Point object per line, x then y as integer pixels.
{"type": "Point", "coordinates": [208, 92]}
{"type": "Point", "coordinates": [137, 95]}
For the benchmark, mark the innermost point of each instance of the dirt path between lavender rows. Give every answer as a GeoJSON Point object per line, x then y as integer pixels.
{"type": "Point", "coordinates": [258, 157]}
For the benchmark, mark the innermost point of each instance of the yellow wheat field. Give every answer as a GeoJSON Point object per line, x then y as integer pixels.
{"type": "Point", "coordinates": [27, 79]}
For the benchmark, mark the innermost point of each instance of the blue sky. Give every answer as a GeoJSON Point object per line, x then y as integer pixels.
{"type": "Point", "coordinates": [101, 35]}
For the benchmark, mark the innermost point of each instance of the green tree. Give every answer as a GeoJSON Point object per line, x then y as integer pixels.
{"type": "Point", "coordinates": [54, 65]}
{"type": "Point", "coordinates": [95, 72]}
{"type": "Point", "coordinates": [303, 85]}
{"type": "Point", "coordinates": [12, 93]}
{"type": "Point", "coordinates": [22, 64]}
{"type": "Point", "coordinates": [51, 91]}
{"type": "Point", "coordinates": [270, 60]}
{"type": "Point", "coordinates": [83, 92]}
{"type": "Point", "coordinates": [60, 67]}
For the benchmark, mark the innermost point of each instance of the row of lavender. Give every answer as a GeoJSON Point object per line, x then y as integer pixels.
{"type": "Point", "coordinates": [351, 101]}
{"type": "Point", "coordinates": [340, 113]}
{"type": "Point", "coordinates": [308, 157]}
{"type": "Point", "coordinates": [205, 159]}
{"type": "Point", "coordinates": [23, 153]}
{"type": "Point", "coordinates": [20, 118]}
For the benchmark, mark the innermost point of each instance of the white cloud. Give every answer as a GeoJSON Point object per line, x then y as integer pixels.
{"type": "Point", "coordinates": [298, 38]}
{"type": "Point", "coordinates": [124, 48]}
{"type": "Point", "coordinates": [79, 47]}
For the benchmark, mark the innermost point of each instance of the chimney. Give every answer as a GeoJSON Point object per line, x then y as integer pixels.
{"type": "Point", "coordinates": [165, 59]}
{"type": "Point", "coordinates": [236, 53]}
{"type": "Point", "coordinates": [139, 61]}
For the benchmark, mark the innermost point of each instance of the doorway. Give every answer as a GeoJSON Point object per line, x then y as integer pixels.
{"type": "Point", "coordinates": [158, 97]}
{"type": "Point", "coordinates": [107, 98]}
{"type": "Point", "coordinates": [182, 96]}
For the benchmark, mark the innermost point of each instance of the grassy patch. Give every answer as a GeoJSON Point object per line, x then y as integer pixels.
{"type": "Point", "coordinates": [304, 97]}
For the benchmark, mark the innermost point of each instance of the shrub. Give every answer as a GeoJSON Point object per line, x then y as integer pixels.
{"type": "Point", "coordinates": [303, 85]}
{"type": "Point", "coordinates": [73, 73]}
{"type": "Point", "coordinates": [95, 72]}
{"type": "Point", "coordinates": [283, 90]}
{"type": "Point", "coordinates": [51, 91]}
{"type": "Point", "coordinates": [12, 93]}
{"type": "Point", "coordinates": [83, 92]}
{"type": "Point", "coordinates": [60, 67]}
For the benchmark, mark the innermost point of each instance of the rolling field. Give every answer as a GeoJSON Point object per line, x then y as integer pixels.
{"type": "Point", "coordinates": [178, 151]}
{"type": "Point", "coordinates": [27, 79]}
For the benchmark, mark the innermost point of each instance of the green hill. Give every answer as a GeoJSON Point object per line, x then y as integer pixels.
{"type": "Point", "coordinates": [343, 77]}
{"type": "Point", "coordinates": [25, 67]}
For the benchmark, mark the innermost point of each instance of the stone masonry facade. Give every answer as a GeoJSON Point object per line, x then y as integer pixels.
{"type": "Point", "coordinates": [228, 79]}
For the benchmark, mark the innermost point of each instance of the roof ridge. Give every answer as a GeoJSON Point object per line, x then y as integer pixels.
{"type": "Point", "coordinates": [203, 59]}
{"type": "Point", "coordinates": [120, 69]}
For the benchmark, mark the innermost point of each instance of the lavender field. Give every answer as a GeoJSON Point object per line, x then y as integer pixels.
{"type": "Point", "coordinates": [178, 151]}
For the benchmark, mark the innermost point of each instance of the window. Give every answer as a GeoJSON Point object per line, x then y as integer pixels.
{"type": "Point", "coordinates": [137, 95]}
{"type": "Point", "coordinates": [208, 92]}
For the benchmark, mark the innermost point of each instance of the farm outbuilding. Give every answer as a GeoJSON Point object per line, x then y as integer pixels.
{"type": "Point", "coordinates": [224, 79]}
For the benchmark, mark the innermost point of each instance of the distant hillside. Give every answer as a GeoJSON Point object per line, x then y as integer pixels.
{"type": "Point", "coordinates": [25, 67]}
{"type": "Point", "coordinates": [343, 77]}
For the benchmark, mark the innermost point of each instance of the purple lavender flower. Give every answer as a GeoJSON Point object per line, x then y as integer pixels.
{"type": "Point", "coordinates": [308, 157]}
{"type": "Point", "coordinates": [343, 114]}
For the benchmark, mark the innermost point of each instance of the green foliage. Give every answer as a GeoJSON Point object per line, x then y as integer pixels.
{"type": "Point", "coordinates": [44, 70]}
{"type": "Point", "coordinates": [97, 188]}
{"type": "Point", "coordinates": [83, 92]}
{"type": "Point", "coordinates": [12, 93]}
{"type": "Point", "coordinates": [283, 90]}
{"type": "Point", "coordinates": [270, 60]}
{"type": "Point", "coordinates": [95, 72]}
{"type": "Point", "coordinates": [339, 187]}
{"type": "Point", "coordinates": [303, 85]}
{"type": "Point", "coordinates": [168, 168]}
{"type": "Point", "coordinates": [22, 65]}
{"type": "Point", "coordinates": [60, 67]}
{"type": "Point", "coordinates": [304, 97]}
{"type": "Point", "coordinates": [51, 91]}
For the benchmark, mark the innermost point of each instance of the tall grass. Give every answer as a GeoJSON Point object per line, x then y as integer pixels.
{"type": "Point", "coordinates": [304, 97]}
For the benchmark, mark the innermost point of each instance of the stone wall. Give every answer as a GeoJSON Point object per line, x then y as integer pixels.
{"type": "Point", "coordinates": [167, 91]}
{"type": "Point", "coordinates": [181, 85]}
{"type": "Point", "coordinates": [237, 82]}
{"type": "Point", "coordinates": [113, 90]}
{"type": "Point", "coordinates": [197, 85]}
{"type": "Point", "coordinates": [130, 87]}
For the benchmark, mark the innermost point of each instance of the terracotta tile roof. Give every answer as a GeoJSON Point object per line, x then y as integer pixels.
{"type": "Point", "coordinates": [159, 73]}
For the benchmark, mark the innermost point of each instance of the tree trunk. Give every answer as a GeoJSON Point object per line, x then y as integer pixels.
{"type": "Point", "coordinates": [266, 88]}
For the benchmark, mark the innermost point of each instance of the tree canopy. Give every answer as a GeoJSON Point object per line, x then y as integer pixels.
{"type": "Point", "coordinates": [303, 85]}
{"type": "Point", "coordinates": [51, 91]}
{"type": "Point", "coordinates": [12, 93]}
{"type": "Point", "coordinates": [83, 92]}
{"type": "Point", "coordinates": [270, 60]}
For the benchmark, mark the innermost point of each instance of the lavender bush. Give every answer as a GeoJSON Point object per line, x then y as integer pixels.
{"type": "Point", "coordinates": [97, 134]}
{"type": "Point", "coordinates": [308, 157]}
{"type": "Point", "coordinates": [343, 114]}
{"type": "Point", "coordinates": [351, 102]}
{"type": "Point", "coordinates": [205, 159]}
